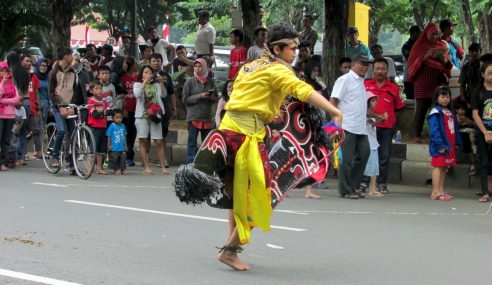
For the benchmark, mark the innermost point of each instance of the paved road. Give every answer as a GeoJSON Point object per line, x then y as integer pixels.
{"type": "Point", "coordinates": [132, 230]}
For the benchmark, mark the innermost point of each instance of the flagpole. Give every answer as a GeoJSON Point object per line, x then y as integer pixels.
{"type": "Point", "coordinates": [134, 44]}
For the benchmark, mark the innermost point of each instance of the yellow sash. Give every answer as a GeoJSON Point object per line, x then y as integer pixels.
{"type": "Point", "coordinates": [251, 196]}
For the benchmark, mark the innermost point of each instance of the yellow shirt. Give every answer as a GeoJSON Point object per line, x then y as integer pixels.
{"type": "Point", "coordinates": [262, 85]}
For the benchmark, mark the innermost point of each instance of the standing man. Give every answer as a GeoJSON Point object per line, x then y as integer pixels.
{"type": "Point", "coordinates": [470, 75]}
{"type": "Point", "coordinates": [238, 53]}
{"type": "Point", "coordinates": [107, 55]}
{"type": "Point", "coordinates": [161, 47]}
{"type": "Point", "coordinates": [308, 34]}
{"type": "Point", "coordinates": [349, 95]}
{"type": "Point", "coordinates": [93, 58]}
{"type": "Point", "coordinates": [205, 36]}
{"type": "Point", "coordinates": [345, 63]}
{"type": "Point", "coordinates": [377, 53]}
{"type": "Point", "coordinates": [389, 101]}
{"type": "Point", "coordinates": [456, 52]}
{"type": "Point", "coordinates": [405, 51]}
{"type": "Point", "coordinates": [354, 46]}
{"type": "Point", "coordinates": [182, 64]}
{"type": "Point", "coordinates": [258, 49]}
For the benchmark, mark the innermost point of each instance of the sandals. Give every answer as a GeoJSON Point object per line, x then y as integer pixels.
{"type": "Point", "coordinates": [383, 189]}
{"type": "Point", "coordinates": [352, 196]}
{"type": "Point", "coordinates": [442, 197]}
{"type": "Point", "coordinates": [484, 199]}
{"type": "Point", "coordinates": [473, 171]}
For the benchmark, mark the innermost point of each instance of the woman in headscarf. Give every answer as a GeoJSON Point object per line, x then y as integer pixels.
{"type": "Point", "coordinates": [199, 94]}
{"type": "Point", "coordinates": [8, 98]}
{"type": "Point", "coordinates": [41, 72]}
{"type": "Point", "coordinates": [429, 67]}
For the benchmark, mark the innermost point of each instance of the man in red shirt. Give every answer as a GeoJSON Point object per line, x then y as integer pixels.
{"type": "Point", "coordinates": [239, 54]}
{"type": "Point", "coordinates": [389, 101]}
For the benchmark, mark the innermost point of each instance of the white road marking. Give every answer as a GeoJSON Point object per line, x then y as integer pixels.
{"type": "Point", "coordinates": [389, 213]}
{"type": "Point", "coordinates": [490, 208]}
{"type": "Point", "coordinates": [34, 278]}
{"type": "Point", "coordinates": [291, 212]}
{"type": "Point", "coordinates": [50, 184]}
{"type": "Point", "coordinates": [172, 214]}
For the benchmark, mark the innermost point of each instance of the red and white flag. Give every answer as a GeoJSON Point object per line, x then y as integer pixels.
{"type": "Point", "coordinates": [165, 28]}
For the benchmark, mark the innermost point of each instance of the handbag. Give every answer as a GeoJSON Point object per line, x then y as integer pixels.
{"type": "Point", "coordinates": [154, 111]}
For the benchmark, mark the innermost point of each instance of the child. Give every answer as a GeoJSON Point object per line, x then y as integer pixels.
{"type": "Point", "coordinates": [108, 92]}
{"type": "Point", "coordinates": [98, 110]}
{"type": "Point", "coordinates": [467, 133]}
{"type": "Point", "coordinates": [372, 166]}
{"type": "Point", "coordinates": [116, 134]}
{"type": "Point", "coordinates": [226, 91]}
{"type": "Point", "coordinates": [20, 120]}
{"type": "Point", "coordinates": [444, 136]}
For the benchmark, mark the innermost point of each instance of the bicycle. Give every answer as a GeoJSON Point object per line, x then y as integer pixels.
{"type": "Point", "coordinates": [81, 146]}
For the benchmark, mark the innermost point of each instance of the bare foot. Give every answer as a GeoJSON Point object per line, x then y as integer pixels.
{"type": "Point", "coordinates": [101, 171]}
{"type": "Point", "coordinates": [165, 171]}
{"type": "Point", "coordinates": [312, 196]}
{"type": "Point", "coordinates": [232, 260]}
{"type": "Point", "coordinates": [117, 172]}
{"type": "Point", "coordinates": [124, 173]}
{"type": "Point", "coordinates": [376, 194]}
{"type": "Point", "coordinates": [147, 171]}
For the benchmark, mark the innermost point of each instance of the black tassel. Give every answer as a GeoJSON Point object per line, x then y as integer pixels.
{"type": "Point", "coordinates": [193, 186]}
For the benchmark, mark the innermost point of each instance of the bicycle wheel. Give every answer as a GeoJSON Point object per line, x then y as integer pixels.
{"type": "Point", "coordinates": [84, 151]}
{"type": "Point", "coordinates": [47, 144]}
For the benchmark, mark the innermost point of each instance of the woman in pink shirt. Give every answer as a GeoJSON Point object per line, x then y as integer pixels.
{"type": "Point", "coordinates": [8, 98]}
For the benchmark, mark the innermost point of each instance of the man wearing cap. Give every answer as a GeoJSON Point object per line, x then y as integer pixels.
{"type": "Point", "coordinates": [349, 95]}
{"type": "Point", "coordinates": [456, 52]}
{"type": "Point", "coordinates": [308, 34]}
{"type": "Point", "coordinates": [470, 73]}
{"type": "Point", "coordinates": [205, 36]}
{"type": "Point", "coordinates": [355, 46]}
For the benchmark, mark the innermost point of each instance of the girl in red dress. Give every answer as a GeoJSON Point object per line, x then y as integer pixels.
{"type": "Point", "coordinates": [444, 137]}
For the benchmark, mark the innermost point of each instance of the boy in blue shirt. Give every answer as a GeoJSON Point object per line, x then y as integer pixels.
{"type": "Point", "coordinates": [116, 134]}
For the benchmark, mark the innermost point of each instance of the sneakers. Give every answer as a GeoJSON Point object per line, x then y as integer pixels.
{"type": "Point", "coordinates": [130, 162]}
{"type": "Point", "coordinates": [319, 186]}
{"type": "Point", "coordinates": [55, 163]}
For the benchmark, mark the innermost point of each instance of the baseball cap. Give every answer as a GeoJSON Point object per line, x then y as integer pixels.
{"type": "Point", "coordinates": [352, 30]}
{"type": "Point", "coordinates": [446, 23]}
{"type": "Point", "coordinates": [360, 57]}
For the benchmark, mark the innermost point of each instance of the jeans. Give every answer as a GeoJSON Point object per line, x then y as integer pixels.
{"type": "Point", "coordinates": [385, 137]}
{"type": "Point", "coordinates": [355, 152]}
{"type": "Point", "coordinates": [63, 127]}
{"type": "Point", "coordinates": [484, 151]}
{"type": "Point", "coordinates": [21, 152]}
{"type": "Point", "coordinates": [192, 148]}
{"type": "Point", "coordinates": [6, 126]}
{"type": "Point", "coordinates": [131, 134]}
{"type": "Point", "coordinates": [45, 105]}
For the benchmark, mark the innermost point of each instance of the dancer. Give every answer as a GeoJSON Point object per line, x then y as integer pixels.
{"type": "Point", "coordinates": [258, 93]}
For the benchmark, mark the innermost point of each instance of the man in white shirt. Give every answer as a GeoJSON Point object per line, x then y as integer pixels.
{"type": "Point", "coordinates": [377, 53]}
{"type": "Point", "coordinates": [161, 46]}
{"type": "Point", "coordinates": [205, 36]}
{"type": "Point", "coordinates": [349, 95]}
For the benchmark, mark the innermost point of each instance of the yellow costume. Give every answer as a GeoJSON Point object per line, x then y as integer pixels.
{"type": "Point", "coordinates": [259, 90]}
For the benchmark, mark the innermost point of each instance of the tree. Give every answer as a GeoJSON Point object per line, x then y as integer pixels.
{"type": "Point", "coordinates": [251, 21]}
{"type": "Point", "coordinates": [485, 25]}
{"type": "Point", "coordinates": [18, 19]}
{"type": "Point", "coordinates": [336, 19]}
{"type": "Point", "coordinates": [107, 15]}
{"type": "Point", "coordinates": [62, 11]}
{"type": "Point", "coordinates": [468, 21]}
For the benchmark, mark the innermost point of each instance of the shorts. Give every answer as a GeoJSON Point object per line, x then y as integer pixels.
{"type": "Point", "coordinates": [101, 140]}
{"type": "Point", "coordinates": [372, 166]}
{"type": "Point", "coordinates": [146, 127]}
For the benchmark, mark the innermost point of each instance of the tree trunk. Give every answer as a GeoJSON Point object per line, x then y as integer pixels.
{"type": "Point", "coordinates": [485, 29]}
{"type": "Point", "coordinates": [63, 11]}
{"type": "Point", "coordinates": [375, 28]}
{"type": "Point", "coordinates": [467, 19]}
{"type": "Point", "coordinates": [335, 27]}
{"type": "Point", "coordinates": [251, 21]}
